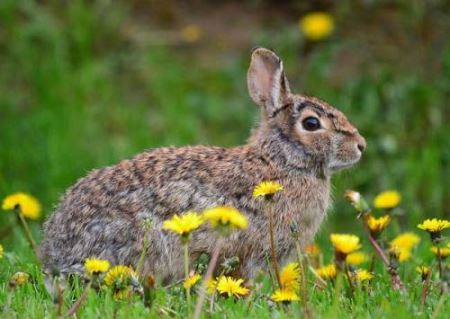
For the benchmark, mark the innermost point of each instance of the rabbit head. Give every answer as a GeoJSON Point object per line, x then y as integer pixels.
{"type": "Point", "coordinates": [302, 132]}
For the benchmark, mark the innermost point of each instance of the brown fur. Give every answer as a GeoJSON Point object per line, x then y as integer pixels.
{"type": "Point", "coordinates": [102, 214]}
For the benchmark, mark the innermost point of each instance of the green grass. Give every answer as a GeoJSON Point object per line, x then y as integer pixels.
{"type": "Point", "coordinates": [77, 93]}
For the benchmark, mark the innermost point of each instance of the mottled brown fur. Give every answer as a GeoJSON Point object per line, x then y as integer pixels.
{"type": "Point", "coordinates": [102, 214]}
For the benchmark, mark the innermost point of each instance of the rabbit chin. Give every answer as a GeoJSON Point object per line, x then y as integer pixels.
{"type": "Point", "coordinates": [337, 165]}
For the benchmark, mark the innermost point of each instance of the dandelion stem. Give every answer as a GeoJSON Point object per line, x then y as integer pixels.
{"type": "Point", "coordinates": [425, 286]}
{"type": "Point", "coordinates": [80, 300]}
{"type": "Point", "coordinates": [272, 247]}
{"type": "Point", "coordinates": [372, 263]}
{"type": "Point", "coordinates": [269, 269]}
{"type": "Point", "coordinates": [208, 275]}
{"type": "Point", "coordinates": [140, 263]}
{"type": "Point", "coordinates": [395, 278]}
{"type": "Point", "coordinates": [439, 260]}
{"type": "Point", "coordinates": [186, 275]}
{"type": "Point", "coordinates": [337, 292]}
{"type": "Point", "coordinates": [378, 249]}
{"type": "Point", "coordinates": [322, 282]}
{"type": "Point", "coordinates": [350, 283]}
{"type": "Point", "coordinates": [213, 296]}
{"type": "Point", "coordinates": [439, 257]}
{"type": "Point", "coordinates": [441, 302]}
{"type": "Point", "coordinates": [27, 232]}
{"type": "Point", "coordinates": [59, 298]}
{"type": "Point", "coordinates": [302, 262]}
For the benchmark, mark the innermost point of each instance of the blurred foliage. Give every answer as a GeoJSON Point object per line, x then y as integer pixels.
{"type": "Point", "coordinates": [84, 84]}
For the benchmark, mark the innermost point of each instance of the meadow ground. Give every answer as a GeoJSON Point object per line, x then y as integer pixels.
{"type": "Point", "coordinates": [84, 84]}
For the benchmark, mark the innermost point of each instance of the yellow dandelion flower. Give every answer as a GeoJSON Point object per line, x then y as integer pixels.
{"type": "Point", "coordinates": [284, 295]}
{"type": "Point", "coordinates": [1, 251]}
{"type": "Point", "coordinates": [191, 33]}
{"type": "Point", "coordinates": [226, 216]}
{"type": "Point", "coordinates": [356, 258]}
{"type": "Point", "coordinates": [402, 245]}
{"type": "Point", "coordinates": [184, 224]}
{"type": "Point", "coordinates": [211, 286]}
{"type": "Point", "coordinates": [344, 243]}
{"type": "Point", "coordinates": [123, 294]}
{"type": "Point", "coordinates": [387, 200]}
{"type": "Point", "coordinates": [19, 278]}
{"type": "Point", "coordinates": [443, 251]}
{"type": "Point", "coordinates": [290, 276]}
{"type": "Point", "coordinates": [312, 250]}
{"type": "Point", "coordinates": [405, 241]}
{"type": "Point", "coordinates": [231, 287]}
{"type": "Point", "coordinates": [434, 225]}
{"type": "Point", "coordinates": [377, 225]}
{"type": "Point", "coordinates": [423, 270]}
{"type": "Point", "coordinates": [29, 205]}
{"type": "Point", "coordinates": [267, 189]}
{"type": "Point", "coordinates": [317, 25]}
{"type": "Point", "coordinates": [362, 275]}
{"type": "Point", "coordinates": [327, 272]}
{"type": "Point", "coordinates": [118, 277]}
{"type": "Point", "coordinates": [94, 266]}
{"type": "Point", "coordinates": [191, 281]}
{"type": "Point", "coordinates": [402, 254]}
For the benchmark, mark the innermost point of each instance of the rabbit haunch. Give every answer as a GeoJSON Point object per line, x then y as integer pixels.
{"type": "Point", "coordinates": [102, 214]}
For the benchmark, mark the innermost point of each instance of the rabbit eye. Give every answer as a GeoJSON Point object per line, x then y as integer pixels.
{"type": "Point", "coordinates": [311, 123]}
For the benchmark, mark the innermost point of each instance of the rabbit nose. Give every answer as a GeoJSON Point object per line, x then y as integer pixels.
{"type": "Point", "coordinates": [361, 142]}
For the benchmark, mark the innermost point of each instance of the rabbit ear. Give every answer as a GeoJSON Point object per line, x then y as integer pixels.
{"type": "Point", "coordinates": [267, 84]}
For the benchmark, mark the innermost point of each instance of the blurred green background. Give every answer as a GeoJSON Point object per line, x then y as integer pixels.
{"type": "Point", "coordinates": [84, 84]}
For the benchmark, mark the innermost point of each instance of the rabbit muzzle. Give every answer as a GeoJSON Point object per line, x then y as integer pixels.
{"type": "Point", "coordinates": [347, 151]}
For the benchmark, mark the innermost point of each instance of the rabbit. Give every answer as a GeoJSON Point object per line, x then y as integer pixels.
{"type": "Point", "coordinates": [300, 142]}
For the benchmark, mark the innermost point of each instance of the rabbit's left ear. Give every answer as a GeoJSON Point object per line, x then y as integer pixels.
{"type": "Point", "coordinates": [267, 84]}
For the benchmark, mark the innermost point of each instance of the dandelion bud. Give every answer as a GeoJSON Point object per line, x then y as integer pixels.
{"type": "Point", "coordinates": [357, 201]}
{"type": "Point", "coordinates": [294, 228]}
{"type": "Point", "coordinates": [230, 264]}
{"type": "Point", "coordinates": [424, 272]}
{"type": "Point", "coordinates": [149, 282]}
{"type": "Point", "coordinates": [352, 196]}
{"type": "Point", "coordinates": [18, 279]}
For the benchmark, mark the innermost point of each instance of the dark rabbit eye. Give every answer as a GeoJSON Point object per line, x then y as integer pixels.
{"type": "Point", "coordinates": [311, 123]}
